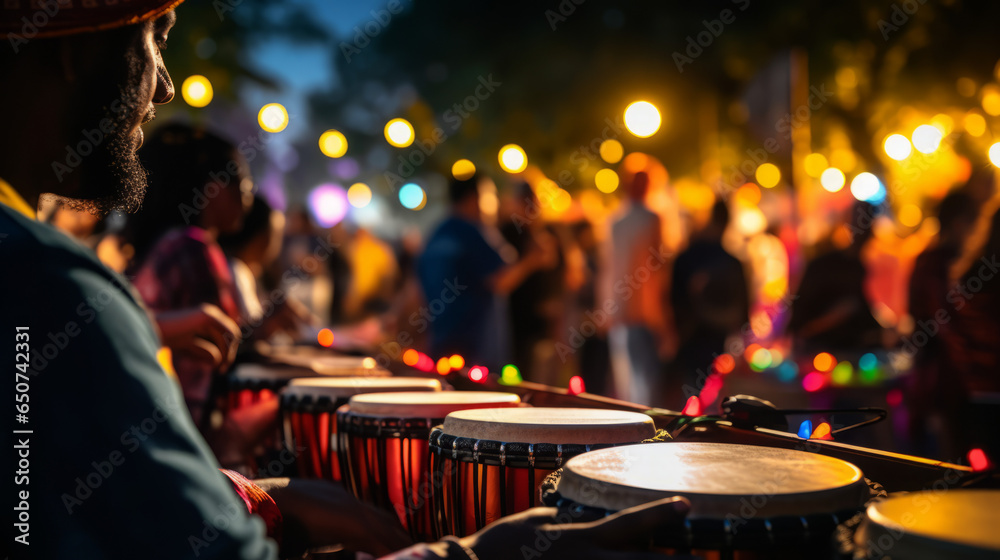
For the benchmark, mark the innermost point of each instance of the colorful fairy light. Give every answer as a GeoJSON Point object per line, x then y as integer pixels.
{"type": "Point", "coordinates": [576, 385]}
{"type": "Point", "coordinates": [510, 375]}
{"type": "Point", "coordinates": [325, 338]}
{"type": "Point", "coordinates": [805, 429]}
{"type": "Point", "coordinates": [478, 374]}
{"type": "Point", "coordinates": [693, 406]}
{"type": "Point", "coordinates": [822, 431]}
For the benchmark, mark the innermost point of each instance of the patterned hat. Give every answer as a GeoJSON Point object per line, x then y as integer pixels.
{"type": "Point", "coordinates": [23, 20]}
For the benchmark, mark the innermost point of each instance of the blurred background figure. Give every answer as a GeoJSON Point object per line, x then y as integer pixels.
{"type": "Point", "coordinates": [102, 235]}
{"type": "Point", "coordinates": [251, 252]}
{"type": "Point", "coordinates": [971, 393]}
{"type": "Point", "coordinates": [182, 272]}
{"type": "Point", "coordinates": [594, 358]}
{"type": "Point", "coordinates": [935, 395]}
{"type": "Point", "coordinates": [831, 311]}
{"type": "Point", "coordinates": [535, 306]}
{"type": "Point", "coordinates": [465, 281]}
{"type": "Point", "coordinates": [373, 272]}
{"type": "Point", "coordinates": [710, 301]}
{"type": "Point", "coordinates": [632, 288]}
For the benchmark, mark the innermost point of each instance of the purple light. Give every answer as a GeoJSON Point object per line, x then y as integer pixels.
{"type": "Point", "coordinates": [328, 204]}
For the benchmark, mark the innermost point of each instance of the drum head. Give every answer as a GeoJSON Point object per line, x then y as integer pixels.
{"type": "Point", "coordinates": [583, 426]}
{"type": "Point", "coordinates": [344, 387]}
{"type": "Point", "coordinates": [428, 405]}
{"type": "Point", "coordinates": [265, 373]}
{"type": "Point", "coordinates": [953, 523]}
{"type": "Point", "coordinates": [745, 481]}
{"type": "Point", "coordinates": [347, 366]}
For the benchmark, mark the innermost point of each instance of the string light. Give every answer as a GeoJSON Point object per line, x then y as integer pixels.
{"type": "Point", "coordinates": [693, 406]}
{"type": "Point", "coordinates": [325, 338]}
{"type": "Point", "coordinates": [978, 460]}
{"type": "Point", "coordinates": [411, 357]}
{"type": "Point", "coordinates": [576, 385]}
{"type": "Point", "coordinates": [478, 374]}
{"type": "Point", "coordinates": [456, 361]}
{"type": "Point", "coordinates": [805, 429]}
{"type": "Point", "coordinates": [510, 375]}
{"type": "Point", "coordinates": [822, 431]}
{"type": "Point", "coordinates": [443, 366]}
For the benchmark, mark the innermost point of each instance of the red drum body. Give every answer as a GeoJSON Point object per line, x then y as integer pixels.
{"type": "Point", "coordinates": [384, 452]}
{"type": "Point", "coordinates": [488, 464]}
{"type": "Point", "coordinates": [308, 410]}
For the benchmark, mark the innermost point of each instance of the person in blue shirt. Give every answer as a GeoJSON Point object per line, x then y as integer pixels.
{"type": "Point", "coordinates": [464, 281]}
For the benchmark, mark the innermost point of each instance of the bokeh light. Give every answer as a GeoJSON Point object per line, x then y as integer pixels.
{"type": "Point", "coordinates": [813, 381]}
{"type": "Point", "coordinates": [273, 117]}
{"type": "Point", "coordinates": [463, 169]}
{"type": "Point", "coordinates": [411, 357]}
{"type": "Point", "coordinates": [761, 359]}
{"type": "Point", "coordinates": [325, 338]}
{"type": "Point", "coordinates": [842, 373]}
{"type": "Point", "coordinates": [197, 91]}
{"type": "Point", "coordinates": [868, 362]}
{"type": "Point", "coordinates": [975, 124]}
{"type": "Point", "coordinates": [333, 143]}
{"type": "Point", "coordinates": [328, 204]}
{"type": "Point", "coordinates": [606, 180]}
{"type": "Point", "coordinates": [412, 196]}
{"type": "Point", "coordinates": [824, 361]}
{"type": "Point", "coordinates": [510, 375]}
{"type": "Point", "coordinates": [832, 179]}
{"type": "Point", "coordinates": [642, 119]}
{"type": "Point", "coordinates": [910, 215]}
{"type": "Point", "coordinates": [443, 366]}
{"type": "Point", "coordinates": [478, 374]}
{"type": "Point", "coordinates": [611, 150]}
{"type": "Point", "coordinates": [815, 164]}
{"type": "Point", "coordinates": [576, 385]}
{"type": "Point", "coordinates": [865, 186]}
{"type": "Point", "coordinates": [991, 100]}
{"type": "Point", "coordinates": [995, 154]}
{"type": "Point", "coordinates": [724, 363]}
{"type": "Point", "coordinates": [926, 138]}
{"type": "Point", "coordinates": [897, 147]}
{"type": "Point", "coordinates": [513, 159]}
{"type": "Point", "coordinates": [456, 361]}
{"type": "Point", "coordinates": [359, 195]}
{"type": "Point", "coordinates": [399, 133]}
{"type": "Point", "coordinates": [768, 175]}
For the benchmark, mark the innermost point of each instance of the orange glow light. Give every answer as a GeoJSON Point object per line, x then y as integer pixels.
{"type": "Point", "coordinates": [824, 362]}
{"type": "Point", "coordinates": [456, 361]}
{"type": "Point", "coordinates": [724, 364]}
{"type": "Point", "coordinates": [325, 338]}
{"type": "Point", "coordinates": [411, 357]}
{"type": "Point", "coordinates": [822, 432]}
{"type": "Point", "coordinates": [443, 366]}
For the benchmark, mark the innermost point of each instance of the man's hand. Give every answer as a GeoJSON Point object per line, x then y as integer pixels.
{"type": "Point", "coordinates": [204, 332]}
{"type": "Point", "coordinates": [321, 513]}
{"type": "Point", "coordinates": [549, 533]}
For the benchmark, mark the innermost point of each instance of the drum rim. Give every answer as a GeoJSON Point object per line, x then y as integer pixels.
{"type": "Point", "coordinates": [836, 498]}
{"type": "Point", "coordinates": [875, 521]}
{"type": "Point", "coordinates": [499, 400]}
{"type": "Point", "coordinates": [459, 424]}
{"type": "Point", "coordinates": [506, 453]}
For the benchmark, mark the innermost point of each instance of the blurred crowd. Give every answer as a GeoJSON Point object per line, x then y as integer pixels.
{"type": "Point", "coordinates": [637, 318]}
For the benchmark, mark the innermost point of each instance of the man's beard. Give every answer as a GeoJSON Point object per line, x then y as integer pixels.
{"type": "Point", "coordinates": [111, 177]}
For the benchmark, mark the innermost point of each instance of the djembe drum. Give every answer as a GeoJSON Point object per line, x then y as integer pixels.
{"type": "Point", "coordinates": [948, 523]}
{"type": "Point", "coordinates": [250, 384]}
{"type": "Point", "coordinates": [308, 410]}
{"type": "Point", "coordinates": [384, 453]}
{"type": "Point", "coordinates": [489, 463]}
{"type": "Point", "coordinates": [746, 501]}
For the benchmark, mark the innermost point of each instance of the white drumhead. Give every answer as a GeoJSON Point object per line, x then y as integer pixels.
{"type": "Point", "coordinates": [720, 479]}
{"type": "Point", "coordinates": [260, 372]}
{"type": "Point", "coordinates": [347, 366]}
{"type": "Point", "coordinates": [951, 523]}
{"type": "Point", "coordinates": [582, 426]}
{"type": "Point", "coordinates": [344, 387]}
{"type": "Point", "coordinates": [428, 405]}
